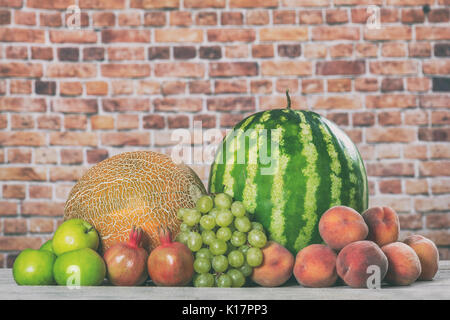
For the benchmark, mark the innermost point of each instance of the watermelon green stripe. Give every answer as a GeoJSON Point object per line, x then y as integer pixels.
{"type": "Point", "coordinates": [312, 183]}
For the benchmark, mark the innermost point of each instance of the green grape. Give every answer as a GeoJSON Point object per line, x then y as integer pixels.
{"type": "Point", "coordinates": [222, 201]}
{"type": "Point", "coordinates": [224, 234]}
{"type": "Point", "coordinates": [257, 238]}
{"type": "Point", "coordinates": [194, 242]}
{"type": "Point", "coordinates": [237, 278]}
{"type": "Point", "coordinates": [183, 237]}
{"type": "Point", "coordinates": [180, 213]}
{"type": "Point", "coordinates": [207, 222]}
{"type": "Point", "coordinates": [204, 280]}
{"type": "Point", "coordinates": [238, 238]}
{"type": "Point", "coordinates": [203, 253]}
{"type": "Point", "coordinates": [218, 247]}
{"type": "Point", "coordinates": [257, 226]}
{"type": "Point", "coordinates": [208, 236]}
{"type": "Point", "coordinates": [243, 224]}
{"type": "Point", "coordinates": [254, 257]}
{"type": "Point", "coordinates": [236, 258]}
{"type": "Point", "coordinates": [224, 218]}
{"type": "Point", "coordinates": [238, 209]}
{"type": "Point", "coordinates": [202, 265]}
{"type": "Point", "coordinates": [246, 269]}
{"type": "Point", "coordinates": [224, 281]}
{"type": "Point", "coordinates": [184, 227]}
{"type": "Point", "coordinates": [219, 263]}
{"type": "Point", "coordinates": [192, 217]}
{"type": "Point", "coordinates": [244, 248]}
{"type": "Point", "coordinates": [204, 204]}
{"type": "Point", "coordinates": [214, 212]}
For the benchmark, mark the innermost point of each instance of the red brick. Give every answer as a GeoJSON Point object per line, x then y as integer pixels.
{"type": "Point", "coordinates": [178, 121]}
{"type": "Point", "coordinates": [200, 86]}
{"type": "Point", "coordinates": [413, 16]}
{"type": "Point", "coordinates": [439, 15]}
{"type": "Point", "coordinates": [279, 68]}
{"type": "Point", "coordinates": [102, 122]}
{"type": "Point", "coordinates": [50, 4]}
{"type": "Point", "coordinates": [72, 105]}
{"type": "Point", "coordinates": [41, 225]}
{"type": "Point", "coordinates": [23, 174]}
{"type": "Point", "coordinates": [75, 122]}
{"type": "Point", "coordinates": [287, 84]}
{"type": "Point", "coordinates": [391, 84]}
{"type": "Point", "coordinates": [337, 102]}
{"type": "Point", "coordinates": [115, 70]}
{"type": "Point", "coordinates": [231, 69]}
{"type": "Point", "coordinates": [156, 19]}
{"type": "Point", "coordinates": [71, 156]}
{"type": "Point", "coordinates": [261, 86]}
{"type": "Point", "coordinates": [413, 151]}
{"type": "Point", "coordinates": [207, 19]}
{"type": "Point", "coordinates": [236, 51]}
{"type": "Point", "coordinates": [130, 19]}
{"type": "Point", "coordinates": [230, 86]}
{"type": "Point", "coordinates": [125, 139]}
{"type": "Point", "coordinates": [432, 101]}
{"type": "Point", "coordinates": [72, 36]}
{"type": "Point", "coordinates": [19, 69]}
{"type": "Point", "coordinates": [390, 169]}
{"type": "Point", "coordinates": [178, 104]}
{"type": "Point", "coordinates": [180, 18]}
{"type": "Point", "coordinates": [393, 49]}
{"type": "Point", "coordinates": [18, 104]}
{"type": "Point", "coordinates": [179, 69]}
{"type": "Point", "coordinates": [437, 220]}
{"type": "Point", "coordinates": [257, 17]}
{"type": "Point", "coordinates": [22, 35]}
{"type": "Point", "coordinates": [22, 121]}
{"type": "Point", "coordinates": [173, 87]}
{"type": "Point", "coordinates": [440, 186]}
{"type": "Point", "coordinates": [42, 53]}
{"type": "Point", "coordinates": [416, 186]}
{"type": "Point", "coordinates": [19, 155]}
{"type": "Point", "coordinates": [310, 17]}
{"type": "Point", "coordinates": [329, 33]}
{"type": "Point", "coordinates": [25, 18]}
{"type": "Point", "coordinates": [231, 104]}
{"type": "Point", "coordinates": [441, 66]}
{"type": "Point", "coordinates": [340, 118]}
{"type": "Point", "coordinates": [115, 36]}
{"type": "Point", "coordinates": [104, 19]}
{"type": "Point", "coordinates": [434, 168]}
{"type": "Point", "coordinates": [11, 3]}
{"type": "Point", "coordinates": [73, 139]}
{"type": "Point", "coordinates": [305, 3]}
{"type": "Point", "coordinates": [419, 49]}
{"type": "Point", "coordinates": [96, 155]}
{"type": "Point", "coordinates": [70, 88]}
{"type": "Point", "coordinates": [127, 121]}
{"type": "Point", "coordinates": [339, 85]}
{"type": "Point", "coordinates": [36, 208]}
{"type": "Point", "coordinates": [284, 17]}
{"type": "Point", "coordinates": [283, 34]}
{"type": "Point", "coordinates": [16, 52]}
{"type": "Point", "coordinates": [70, 70]}
{"type": "Point", "coordinates": [22, 138]}
{"type": "Point", "coordinates": [13, 191]}
{"type": "Point", "coordinates": [148, 87]}
{"type": "Point", "coordinates": [230, 35]}
{"type": "Point", "coordinates": [434, 134]}
{"type": "Point", "coordinates": [312, 85]}
{"type": "Point", "coordinates": [204, 3]}
{"type": "Point", "coordinates": [102, 4]}
{"type": "Point", "coordinates": [418, 84]}
{"type": "Point", "coordinates": [262, 51]}
{"type": "Point", "coordinates": [388, 33]}
{"type": "Point", "coordinates": [125, 104]}
{"type": "Point", "coordinates": [253, 3]}
{"type": "Point", "coordinates": [411, 221]}
{"type": "Point", "coordinates": [153, 121]}
{"type": "Point", "coordinates": [363, 119]}
{"type": "Point", "coordinates": [232, 18]}
{"type": "Point", "coordinates": [341, 50]}
{"type": "Point", "coordinates": [366, 50]}
{"type": "Point", "coordinates": [432, 33]}
{"type": "Point", "coordinates": [334, 16]}
{"type": "Point", "coordinates": [391, 101]}
{"type": "Point", "coordinates": [277, 102]}
{"type": "Point", "coordinates": [393, 186]}
{"type": "Point", "coordinates": [390, 135]}
{"type": "Point", "coordinates": [174, 35]}
{"type": "Point", "coordinates": [394, 67]}
{"type": "Point", "coordinates": [340, 67]}
{"type": "Point", "coordinates": [228, 120]}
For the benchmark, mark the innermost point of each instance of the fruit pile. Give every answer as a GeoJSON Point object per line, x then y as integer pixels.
{"type": "Point", "coordinates": [226, 243]}
{"type": "Point", "coordinates": [363, 250]}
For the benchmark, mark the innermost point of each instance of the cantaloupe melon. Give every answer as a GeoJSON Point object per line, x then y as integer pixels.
{"type": "Point", "coordinates": [143, 189]}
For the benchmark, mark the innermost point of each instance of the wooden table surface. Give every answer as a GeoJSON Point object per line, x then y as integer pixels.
{"type": "Point", "coordinates": [439, 288]}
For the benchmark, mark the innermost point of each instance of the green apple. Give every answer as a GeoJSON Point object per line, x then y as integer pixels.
{"type": "Point", "coordinates": [81, 267]}
{"type": "Point", "coordinates": [74, 234]}
{"type": "Point", "coordinates": [34, 267]}
{"type": "Point", "coordinates": [47, 246]}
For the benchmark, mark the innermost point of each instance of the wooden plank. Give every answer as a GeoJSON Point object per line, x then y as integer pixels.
{"type": "Point", "coordinates": [439, 288]}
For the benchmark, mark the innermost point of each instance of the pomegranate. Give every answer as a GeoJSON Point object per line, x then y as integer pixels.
{"type": "Point", "coordinates": [126, 261]}
{"type": "Point", "coordinates": [171, 263]}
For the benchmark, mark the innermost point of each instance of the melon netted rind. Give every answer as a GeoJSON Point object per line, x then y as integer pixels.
{"type": "Point", "coordinates": [143, 189]}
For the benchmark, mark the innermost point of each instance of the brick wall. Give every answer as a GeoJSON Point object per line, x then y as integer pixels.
{"type": "Point", "coordinates": [139, 69]}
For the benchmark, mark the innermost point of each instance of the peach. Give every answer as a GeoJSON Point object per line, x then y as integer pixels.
{"type": "Point", "coordinates": [342, 225]}
{"type": "Point", "coordinates": [404, 264]}
{"type": "Point", "coordinates": [383, 224]}
{"type": "Point", "coordinates": [276, 267]}
{"type": "Point", "coordinates": [354, 260]}
{"type": "Point", "coordinates": [428, 255]}
{"type": "Point", "coordinates": [315, 266]}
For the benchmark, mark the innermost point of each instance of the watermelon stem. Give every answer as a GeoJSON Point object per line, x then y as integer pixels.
{"type": "Point", "coordinates": [288, 99]}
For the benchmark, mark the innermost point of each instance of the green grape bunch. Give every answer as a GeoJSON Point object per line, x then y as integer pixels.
{"type": "Point", "coordinates": [226, 243]}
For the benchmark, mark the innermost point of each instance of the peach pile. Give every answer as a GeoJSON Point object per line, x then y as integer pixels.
{"type": "Point", "coordinates": [355, 244]}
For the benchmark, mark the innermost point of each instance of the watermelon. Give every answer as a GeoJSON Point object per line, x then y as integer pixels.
{"type": "Point", "coordinates": [288, 167]}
